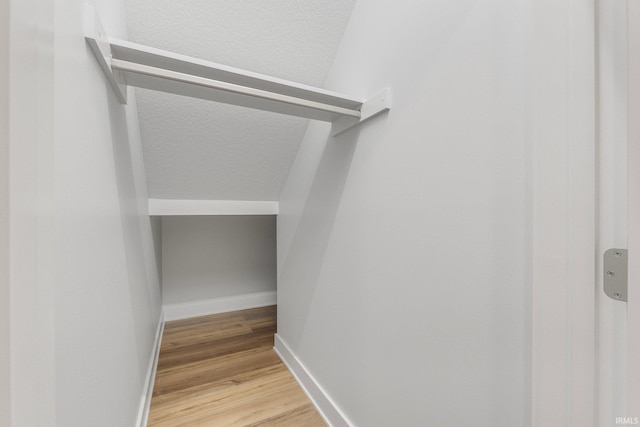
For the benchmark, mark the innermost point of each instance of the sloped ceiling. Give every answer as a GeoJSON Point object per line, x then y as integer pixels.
{"type": "Point", "coordinates": [197, 149]}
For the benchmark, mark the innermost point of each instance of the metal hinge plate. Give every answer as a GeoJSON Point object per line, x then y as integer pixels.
{"type": "Point", "coordinates": [615, 274]}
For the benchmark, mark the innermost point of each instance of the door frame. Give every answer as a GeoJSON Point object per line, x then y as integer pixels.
{"type": "Point", "coordinates": [633, 206]}
{"type": "Point", "coordinates": [563, 214]}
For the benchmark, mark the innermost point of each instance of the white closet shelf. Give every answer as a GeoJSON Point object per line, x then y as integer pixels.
{"type": "Point", "coordinates": [130, 64]}
{"type": "Point", "coordinates": [171, 207]}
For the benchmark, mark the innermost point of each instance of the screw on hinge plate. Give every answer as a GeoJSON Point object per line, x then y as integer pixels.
{"type": "Point", "coordinates": [615, 274]}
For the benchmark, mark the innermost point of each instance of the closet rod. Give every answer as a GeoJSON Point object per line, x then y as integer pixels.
{"type": "Point", "coordinates": [125, 63]}
{"type": "Point", "coordinates": [146, 70]}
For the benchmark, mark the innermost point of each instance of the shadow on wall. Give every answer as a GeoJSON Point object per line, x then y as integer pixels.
{"type": "Point", "coordinates": [143, 283]}
{"type": "Point", "coordinates": [308, 248]}
{"type": "Point", "coordinates": [156, 234]}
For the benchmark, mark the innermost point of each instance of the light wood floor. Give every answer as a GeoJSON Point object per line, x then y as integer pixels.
{"type": "Point", "coordinates": [221, 370]}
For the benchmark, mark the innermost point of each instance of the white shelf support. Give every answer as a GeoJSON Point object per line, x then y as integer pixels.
{"type": "Point", "coordinates": [99, 43]}
{"type": "Point", "coordinates": [372, 107]}
{"type": "Point", "coordinates": [125, 63]}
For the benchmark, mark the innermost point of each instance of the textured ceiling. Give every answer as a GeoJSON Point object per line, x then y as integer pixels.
{"type": "Point", "coordinates": [197, 149]}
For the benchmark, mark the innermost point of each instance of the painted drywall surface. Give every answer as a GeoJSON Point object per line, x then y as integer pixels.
{"type": "Point", "coordinates": [107, 291]}
{"type": "Point", "coordinates": [206, 257]}
{"type": "Point", "coordinates": [197, 149]}
{"type": "Point", "coordinates": [5, 370]}
{"type": "Point", "coordinates": [403, 245]}
{"type": "Point", "coordinates": [31, 275]}
{"type": "Point", "coordinates": [84, 300]}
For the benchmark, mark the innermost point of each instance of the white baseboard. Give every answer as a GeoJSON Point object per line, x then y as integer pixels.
{"type": "Point", "coordinates": [218, 305]}
{"type": "Point", "coordinates": [325, 405]}
{"type": "Point", "coordinates": [147, 391]}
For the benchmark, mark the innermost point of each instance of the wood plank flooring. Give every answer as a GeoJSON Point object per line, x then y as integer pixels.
{"type": "Point", "coordinates": [221, 370]}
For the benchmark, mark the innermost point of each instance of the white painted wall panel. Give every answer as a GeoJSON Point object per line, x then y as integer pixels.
{"type": "Point", "coordinates": [85, 294]}
{"type": "Point", "coordinates": [30, 168]}
{"type": "Point", "coordinates": [403, 245]}
{"type": "Point", "coordinates": [107, 290]}
{"type": "Point", "coordinates": [206, 257]}
{"type": "Point", "coordinates": [5, 371]}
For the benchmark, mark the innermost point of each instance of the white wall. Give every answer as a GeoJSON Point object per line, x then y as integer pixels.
{"type": "Point", "coordinates": [108, 295]}
{"type": "Point", "coordinates": [85, 290]}
{"type": "Point", "coordinates": [5, 407]}
{"type": "Point", "coordinates": [206, 257]}
{"type": "Point", "coordinates": [31, 195]}
{"type": "Point", "coordinates": [403, 246]}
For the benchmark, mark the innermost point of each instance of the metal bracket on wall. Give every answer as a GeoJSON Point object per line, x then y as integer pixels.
{"type": "Point", "coordinates": [615, 274]}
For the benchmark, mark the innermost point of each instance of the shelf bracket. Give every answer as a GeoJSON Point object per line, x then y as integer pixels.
{"type": "Point", "coordinates": [371, 108]}
{"type": "Point", "coordinates": [98, 41]}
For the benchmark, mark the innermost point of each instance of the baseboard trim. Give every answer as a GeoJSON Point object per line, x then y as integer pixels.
{"type": "Point", "coordinates": [147, 391]}
{"type": "Point", "coordinates": [218, 305]}
{"type": "Point", "coordinates": [325, 405]}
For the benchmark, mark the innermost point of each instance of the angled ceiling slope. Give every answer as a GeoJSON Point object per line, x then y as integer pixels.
{"type": "Point", "coordinates": [195, 149]}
